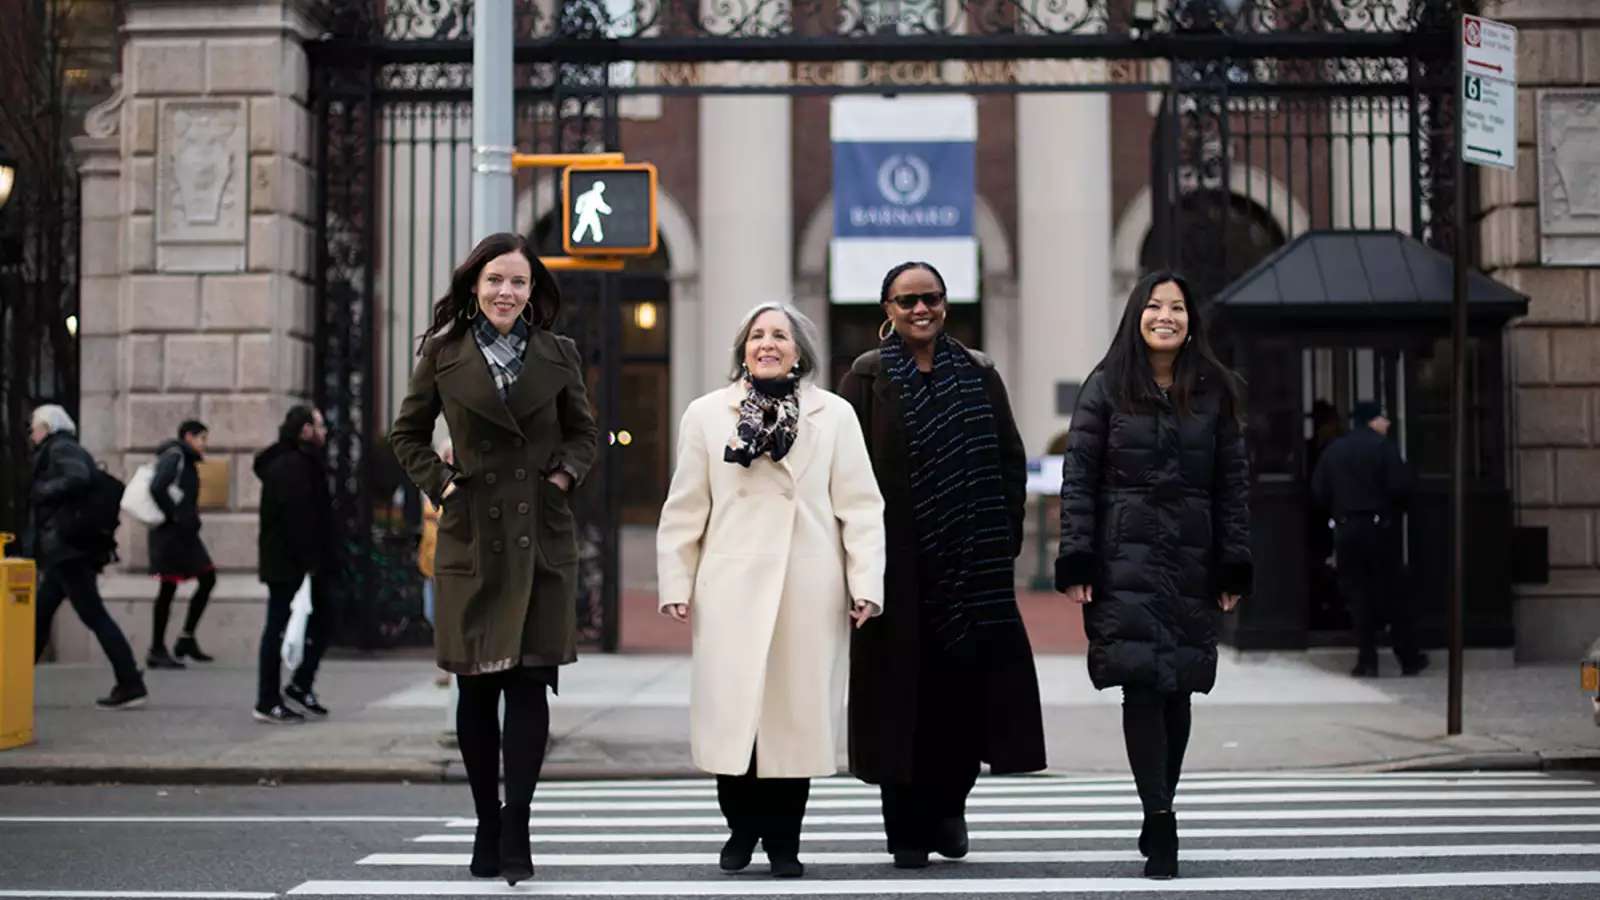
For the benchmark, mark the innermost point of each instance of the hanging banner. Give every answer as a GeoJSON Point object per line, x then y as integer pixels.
{"type": "Point", "coordinates": [903, 189]}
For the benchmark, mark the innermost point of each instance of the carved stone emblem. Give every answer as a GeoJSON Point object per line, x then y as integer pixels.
{"type": "Point", "coordinates": [1569, 177]}
{"type": "Point", "coordinates": [201, 184]}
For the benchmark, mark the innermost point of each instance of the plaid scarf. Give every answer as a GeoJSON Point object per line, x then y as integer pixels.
{"type": "Point", "coordinates": [503, 352]}
{"type": "Point", "coordinates": [769, 419]}
{"type": "Point", "coordinates": [963, 533]}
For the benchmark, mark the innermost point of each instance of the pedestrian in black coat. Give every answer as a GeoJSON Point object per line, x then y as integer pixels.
{"type": "Point", "coordinates": [298, 537]}
{"type": "Point", "coordinates": [68, 571]}
{"type": "Point", "coordinates": [176, 552]}
{"type": "Point", "coordinates": [1364, 485]}
{"type": "Point", "coordinates": [944, 680]}
{"type": "Point", "coordinates": [1155, 532]}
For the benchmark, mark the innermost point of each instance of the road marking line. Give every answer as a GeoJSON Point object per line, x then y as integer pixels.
{"type": "Point", "coordinates": [1126, 798]}
{"type": "Point", "coordinates": [1184, 815]}
{"type": "Point", "coordinates": [991, 790]}
{"type": "Point", "coordinates": [1062, 834]}
{"type": "Point", "coordinates": [1018, 857]}
{"type": "Point", "coordinates": [445, 821]}
{"type": "Point", "coordinates": [745, 887]}
{"type": "Point", "coordinates": [1043, 779]}
{"type": "Point", "coordinates": [141, 895]}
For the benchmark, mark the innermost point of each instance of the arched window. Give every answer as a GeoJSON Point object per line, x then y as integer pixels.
{"type": "Point", "coordinates": [1220, 236]}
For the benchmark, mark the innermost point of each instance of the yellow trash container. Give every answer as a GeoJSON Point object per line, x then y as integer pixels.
{"type": "Point", "coordinates": [17, 580]}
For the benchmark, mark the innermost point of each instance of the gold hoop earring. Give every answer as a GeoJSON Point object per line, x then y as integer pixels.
{"type": "Point", "coordinates": [886, 329]}
{"type": "Point", "coordinates": [472, 313]}
{"type": "Point", "coordinates": [528, 314]}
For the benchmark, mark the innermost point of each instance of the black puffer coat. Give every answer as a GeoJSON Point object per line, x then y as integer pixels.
{"type": "Point", "coordinates": [299, 535]}
{"type": "Point", "coordinates": [61, 473]}
{"type": "Point", "coordinates": [176, 550]}
{"type": "Point", "coordinates": [1155, 516]}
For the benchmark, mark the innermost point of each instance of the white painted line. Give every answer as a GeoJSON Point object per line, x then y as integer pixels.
{"type": "Point", "coordinates": [745, 887]}
{"type": "Point", "coordinates": [542, 822]}
{"type": "Point", "coordinates": [1054, 788]}
{"type": "Point", "coordinates": [446, 821]}
{"type": "Point", "coordinates": [1019, 857]}
{"type": "Point", "coordinates": [1125, 798]}
{"type": "Point", "coordinates": [1057, 834]}
{"type": "Point", "coordinates": [141, 895]}
{"type": "Point", "coordinates": [1042, 779]}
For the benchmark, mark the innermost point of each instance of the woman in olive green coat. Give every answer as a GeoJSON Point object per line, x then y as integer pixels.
{"type": "Point", "coordinates": [512, 393]}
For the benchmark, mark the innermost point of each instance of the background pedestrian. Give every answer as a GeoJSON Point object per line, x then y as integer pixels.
{"type": "Point", "coordinates": [176, 552]}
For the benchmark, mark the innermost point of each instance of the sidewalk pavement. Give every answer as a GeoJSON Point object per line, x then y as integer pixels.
{"type": "Point", "coordinates": [626, 716]}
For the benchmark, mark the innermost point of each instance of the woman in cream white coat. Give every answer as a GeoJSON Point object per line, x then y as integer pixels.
{"type": "Point", "coordinates": [771, 541]}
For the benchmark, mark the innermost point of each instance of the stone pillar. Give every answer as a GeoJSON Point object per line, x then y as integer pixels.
{"type": "Point", "coordinates": [745, 219]}
{"type": "Point", "coordinates": [197, 259]}
{"type": "Point", "coordinates": [1554, 353]}
{"type": "Point", "coordinates": [1064, 253]}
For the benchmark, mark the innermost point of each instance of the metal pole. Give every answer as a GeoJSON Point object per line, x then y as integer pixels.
{"type": "Point", "coordinates": [1458, 412]}
{"type": "Point", "coordinates": [493, 118]}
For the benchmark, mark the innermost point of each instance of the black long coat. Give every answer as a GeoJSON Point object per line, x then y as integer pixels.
{"type": "Point", "coordinates": [1155, 517]}
{"type": "Point", "coordinates": [299, 535]}
{"type": "Point", "coordinates": [886, 655]}
{"type": "Point", "coordinates": [176, 550]}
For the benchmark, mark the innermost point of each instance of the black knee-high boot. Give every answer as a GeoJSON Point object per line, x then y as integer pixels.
{"type": "Point", "coordinates": [527, 732]}
{"type": "Point", "coordinates": [478, 733]}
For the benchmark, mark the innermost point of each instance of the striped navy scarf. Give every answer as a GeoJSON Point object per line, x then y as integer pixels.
{"type": "Point", "coordinates": [963, 531]}
{"type": "Point", "coordinates": [503, 352]}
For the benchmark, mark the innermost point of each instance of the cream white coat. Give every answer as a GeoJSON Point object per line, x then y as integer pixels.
{"type": "Point", "coordinates": [769, 560]}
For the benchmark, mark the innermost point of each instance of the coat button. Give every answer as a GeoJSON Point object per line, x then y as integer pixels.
{"type": "Point", "coordinates": [485, 446]}
{"type": "Point", "coordinates": [522, 508]}
{"type": "Point", "coordinates": [498, 546]}
{"type": "Point", "coordinates": [490, 478]}
{"type": "Point", "coordinates": [524, 542]}
{"type": "Point", "coordinates": [788, 494]}
{"type": "Point", "coordinates": [520, 474]}
{"type": "Point", "coordinates": [494, 512]}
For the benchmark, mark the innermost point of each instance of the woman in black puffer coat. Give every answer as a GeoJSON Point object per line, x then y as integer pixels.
{"type": "Point", "coordinates": [1155, 532]}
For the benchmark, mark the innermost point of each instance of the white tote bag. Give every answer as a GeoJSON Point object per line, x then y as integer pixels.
{"type": "Point", "coordinates": [294, 634]}
{"type": "Point", "coordinates": [140, 503]}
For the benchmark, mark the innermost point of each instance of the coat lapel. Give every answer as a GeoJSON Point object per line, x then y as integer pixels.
{"type": "Point", "coordinates": [463, 375]}
{"type": "Point", "coordinates": [544, 374]}
{"type": "Point", "coordinates": [799, 457]}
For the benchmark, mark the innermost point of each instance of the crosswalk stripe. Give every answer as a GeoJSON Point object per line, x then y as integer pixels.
{"type": "Point", "coordinates": [1125, 798]}
{"type": "Point", "coordinates": [744, 887]}
{"type": "Point", "coordinates": [1057, 834]}
{"type": "Point", "coordinates": [1046, 778]}
{"type": "Point", "coordinates": [1184, 814]}
{"type": "Point", "coordinates": [140, 895]}
{"type": "Point", "coordinates": [1051, 788]}
{"type": "Point", "coordinates": [1018, 857]}
{"type": "Point", "coordinates": [446, 821]}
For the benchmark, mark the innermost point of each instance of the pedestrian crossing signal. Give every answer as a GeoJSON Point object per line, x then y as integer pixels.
{"type": "Point", "coordinates": [609, 210]}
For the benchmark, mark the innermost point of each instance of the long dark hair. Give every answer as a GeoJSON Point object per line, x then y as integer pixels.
{"type": "Point", "coordinates": [1126, 368]}
{"type": "Point", "coordinates": [456, 307]}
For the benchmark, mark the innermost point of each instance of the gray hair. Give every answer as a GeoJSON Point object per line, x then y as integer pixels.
{"type": "Point", "coordinates": [805, 339]}
{"type": "Point", "coordinates": [54, 419]}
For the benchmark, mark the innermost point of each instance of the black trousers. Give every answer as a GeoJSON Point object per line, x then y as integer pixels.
{"type": "Point", "coordinates": [947, 751]}
{"type": "Point", "coordinates": [771, 809]}
{"type": "Point", "coordinates": [75, 581]}
{"type": "Point", "coordinates": [521, 742]}
{"type": "Point", "coordinates": [1369, 567]}
{"type": "Point", "coordinates": [204, 582]}
{"type": "Point", "coordinates": [280, 594]}
{"type": "Point", "coordinates": [1155, 727]}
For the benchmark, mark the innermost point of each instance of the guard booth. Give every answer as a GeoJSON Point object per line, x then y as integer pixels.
{"type": "Point", "coordinates": [1338, 317]}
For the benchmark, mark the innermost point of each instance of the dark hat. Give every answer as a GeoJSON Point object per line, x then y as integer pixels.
{"type": "Point", "coordinates": [1366, 411]}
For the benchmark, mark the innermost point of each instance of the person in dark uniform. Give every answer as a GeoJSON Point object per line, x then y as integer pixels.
{"type": "Point", "coordinates": [1363, 481]}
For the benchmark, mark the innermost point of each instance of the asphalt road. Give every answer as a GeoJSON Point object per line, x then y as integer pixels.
{"type": "Point", "coordinates": [1323, 835]}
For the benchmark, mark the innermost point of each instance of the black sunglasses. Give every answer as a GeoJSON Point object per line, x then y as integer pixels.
{"type": "Point", "coordinates": [908, 302]}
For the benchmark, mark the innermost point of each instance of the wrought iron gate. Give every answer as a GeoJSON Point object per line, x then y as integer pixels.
{"type": "Point", "coordinates": [1344, 105]}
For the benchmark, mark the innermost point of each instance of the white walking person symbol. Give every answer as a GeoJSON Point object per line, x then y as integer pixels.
{"type": "Point", "coordinates": [590, 206]}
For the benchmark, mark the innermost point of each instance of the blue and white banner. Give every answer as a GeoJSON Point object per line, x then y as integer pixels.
{"type": "Point", "coordinates": [903, 188]}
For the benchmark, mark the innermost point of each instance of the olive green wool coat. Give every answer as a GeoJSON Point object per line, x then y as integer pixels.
{"type": "Point", "coordinates": [507, 561]}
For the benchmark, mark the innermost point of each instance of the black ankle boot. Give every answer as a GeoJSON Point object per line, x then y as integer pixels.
{"type": "Point", "coordinates": [737, 851]}
{"type": "Point", "coordinates": [486, 846]}
{"type": "Point", "coordinates": [516, 857]}
{"type": "Point", "coordinates": [1144, 837]}
{"type": "Point", "coordinates": [786, 866]}
{"type": "Point", "coordinates": [188, 646]}
{"type": "Point", "coordinates": [1163, 861]}
{"type": "Point", "coordinates": [158, 658]}
{"type": "Point", "coordinates": [950, 837]}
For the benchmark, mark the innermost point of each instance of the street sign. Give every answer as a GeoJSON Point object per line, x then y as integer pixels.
{"type": "Point", "coordinates": [1488, 92]}
{"type": "Point", "coordinates": [609, 210]}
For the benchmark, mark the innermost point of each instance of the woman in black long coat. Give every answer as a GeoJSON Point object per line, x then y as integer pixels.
{"type": "Point", "coordinates": [1155, 533]}
{"type": "Point", "coordinates": [944, 680]}
{"type": "Point", "coordinates": [177, 554]}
